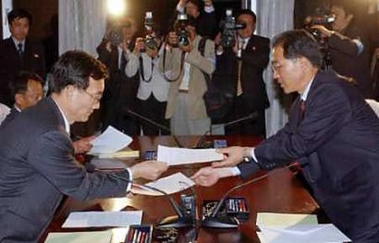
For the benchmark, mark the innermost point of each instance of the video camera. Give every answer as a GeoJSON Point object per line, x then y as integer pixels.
{"type": "Point", "coordinates": [229, 27]}
{"type": "Point", "coordinates": [180, 29]}
{"type": "Point", "coordinates": [149, 30]}
{"type": "Point", "coordinates": [114, 34]}
{"type": "Point", "coordinates": [319, 18]}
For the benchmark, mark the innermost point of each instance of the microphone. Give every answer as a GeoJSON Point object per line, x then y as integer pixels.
{"type": "Point", "coordinates": [160, 126]}
{"type": "Point", "coordinates": [252, 116]}
{"type": "Point", "coordinates": [225, 222]}
{"type": "Point", "coordinates": [180, 220]}
{"type": "Point", "coordinates": [202, 143]}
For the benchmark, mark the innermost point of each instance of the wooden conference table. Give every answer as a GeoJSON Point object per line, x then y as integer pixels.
{"type": "Point", "coordinates": [280, 192]}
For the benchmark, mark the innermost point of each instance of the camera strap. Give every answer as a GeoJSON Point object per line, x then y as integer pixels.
{"type": "Point", "coordinates": [164, 65]}
{"type": "Point", "coordinates": [142, 72]}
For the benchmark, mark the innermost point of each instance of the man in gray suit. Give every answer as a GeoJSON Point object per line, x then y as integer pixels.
{"type": "Point", "coordinates": [332, 132]}
{"type": "Point", "coordinates": [37, 165]}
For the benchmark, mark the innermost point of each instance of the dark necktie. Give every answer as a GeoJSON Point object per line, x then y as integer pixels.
{"type": "Point", "coordinates": [123, 61]}
{"type": "Point", "coordinates": [19, 50]}
{"type": "Point", "coordinates": [302, 110]}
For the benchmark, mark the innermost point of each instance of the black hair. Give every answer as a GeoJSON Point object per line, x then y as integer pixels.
{"type": "Point", "coordinates": [19, 13]}
{"type": "Point", "coordinates": [299, 43]}
{"type": "Point", "coordinates": [247, 12]}
{"type": "Point", "coordinates": [75, 68]}
{"type": "Point", "coordinates": [20, 84]}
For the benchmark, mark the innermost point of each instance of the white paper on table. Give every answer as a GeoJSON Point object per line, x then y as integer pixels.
{"type": "Point", "coordinates": [309, 233]}
{"type": "Point", "coordinates": [80, 237]}
{"type": "Point", "coordinates": [173, 183]}
{"type": "Point", "coordinates": [285, 219]}
{"type": "Point", "coordinates": [179, 156]}
{"type": "Point", "coordinates": [108, 163]}
{"type": "Point", "coordinates": [110, 141]}
{"type": "Point", "coordinates": [102, 219]}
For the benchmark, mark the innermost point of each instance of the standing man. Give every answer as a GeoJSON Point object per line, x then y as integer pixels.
{"type": "Point", "coordinates": [18, 53]}
{"type": "Point", "coordinates": [247, 61]}
{"type": "Point", "coordinates": [36, 153]}
{"type": "Point", "coordinates": [121, 91]}
{"type": "Point", "coordinates": [185, 104]}
{"type": "Point", "coordinates": [347, 46]}
{"type": "Point", "coordinates": [332, 132]}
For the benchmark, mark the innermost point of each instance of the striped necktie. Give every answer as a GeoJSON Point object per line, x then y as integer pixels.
{"type": "Point", "coordinates": [19, 50]}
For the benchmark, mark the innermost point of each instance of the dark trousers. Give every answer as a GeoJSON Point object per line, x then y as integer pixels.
{"type": "Point", "coordinates": [155, 111]}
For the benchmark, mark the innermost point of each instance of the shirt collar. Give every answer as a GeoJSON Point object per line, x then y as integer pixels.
{"type": "Point", "coordinates": [66, 123]}
{"type": "Point", "coordinates": [304, 95]}
{"type": "Point", "coordinates": [17, 108]}
{"type": "Point", "coordinates": [16, 42]}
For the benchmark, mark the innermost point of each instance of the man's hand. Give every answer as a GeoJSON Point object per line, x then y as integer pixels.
{"type": "Point", "coordinates": [83, 145]}
{"type": "Point", "coordinates": [149, 170]}
{"type": "Point", "coordinates": [323, 30]}
{"type": "Point", "coordinates": [139, 46]}
{"type": "Point", "coordinates": [208, 176]}
{"type": "Point", "coordinates": [233, 156]}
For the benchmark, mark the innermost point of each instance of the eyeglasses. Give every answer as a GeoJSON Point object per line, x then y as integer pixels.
{"type": "Point", "coordinates": [96, 98]}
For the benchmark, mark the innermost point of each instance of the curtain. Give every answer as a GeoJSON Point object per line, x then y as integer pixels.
{"type": "Point", "coordinates": [273, 17]}
{"type": "Point", "coordinates": [81, 24]}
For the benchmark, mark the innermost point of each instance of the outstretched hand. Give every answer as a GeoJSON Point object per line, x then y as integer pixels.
{"type": "Point", "coordinates": [233, 156]}
{"type": "Point", "coordinates": [150, 170]}
{"type": "Point", "coordinates": [208, 176]}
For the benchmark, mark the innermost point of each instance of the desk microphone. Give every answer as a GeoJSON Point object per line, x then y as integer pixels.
{"type": "Point", "coordinates": [202, 143]}
{"type": "Point", "coordinates": [180, 220]}
{"type": "Point", "coordinates": [160, 126]}
{"type": "Point", "coordinates": [252, 116]}
{"type": "Point", "coordinates": [216, 221]}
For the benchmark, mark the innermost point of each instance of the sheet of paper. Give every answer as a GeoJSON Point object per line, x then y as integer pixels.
{"type": "Point", "coordinates": [80, 237]}
{"type": "Point", "coordinates": [102, 219]}
{"type": "Point", "coordinates": [271, 219]}
{"type": "Point", "coordinates": [105, 164]}
{"type": "Point", "coordinates": [179, 156]}
{"type": "Point", "coordinates": [320, 233]}
{"type": "Point", "coordinates": [110, 141]}
{"type": "Point", "coordinates": [173, 183]}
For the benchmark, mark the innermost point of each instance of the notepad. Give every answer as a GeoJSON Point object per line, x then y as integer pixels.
{"type": "Point", "coordinates": [80, 237]}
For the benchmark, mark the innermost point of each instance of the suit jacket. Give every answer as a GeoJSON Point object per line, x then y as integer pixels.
{"type": "Point", "coordinates": [37, 167]}
{"type": "Point", "coordinates": [337, 144]}
{"type": "Point", "coordinates": [33, 60]}
{"type": "Point", "coordinates": [197, 83]}
{"type": "Point", "coordinates": [254, 58]}
{"type": "Point", "coordinates": [12, 114]}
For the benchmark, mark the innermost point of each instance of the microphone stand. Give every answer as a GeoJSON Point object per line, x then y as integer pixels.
{"type": "Point", "coordinates": [252, 116]}
{"type": "Point", "coordinates": [155, 124]}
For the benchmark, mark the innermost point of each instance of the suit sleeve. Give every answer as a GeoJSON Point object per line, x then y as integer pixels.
{"type": "Point", "coordinates": [257, 55]}
{"type": "Point", "coordinates": [326, 113]}
{"type": "Point", "coordinates": [52, 156]}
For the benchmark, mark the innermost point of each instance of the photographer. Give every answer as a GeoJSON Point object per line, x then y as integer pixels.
{"type": "Point", "coordinates": [120, 90]}
{"type": "Point", "coordinates": [242, 66]}
{"type": "Point", "coordinates": [185, 105]}
{"type": "Point", "coordinates": [153, 87]}
{"type": "Point", "coordinates": [346, 45]}
{"type": "Point", "coordinates": [206, 17]}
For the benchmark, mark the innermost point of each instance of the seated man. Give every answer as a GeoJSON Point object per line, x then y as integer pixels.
{"type": "Point", "coordinates": [26, 91]}
{"type": "Point", "coordinates": [37, 165]}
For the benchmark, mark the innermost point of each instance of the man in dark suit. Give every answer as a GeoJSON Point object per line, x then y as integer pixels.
{"type": "Point", "coordinates": [332, 132]}
{"type": "Point", "coordinates": [36, 153]}
{"type": "Point", "coordinates": [18, 53]}
{"type": "Point", "coordinates": [247, 61]}
{"type": "Point", "coordinates": [121, 91]}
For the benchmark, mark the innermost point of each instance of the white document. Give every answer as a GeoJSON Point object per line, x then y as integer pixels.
{"type": "Point", "coordinates": [285, 219]}
{"type": "Point", "coordinates": [309, 233]}
{"type": "Point", "coordinates": [80, 237]}
{"type": "Point", "coordinates": [110, 141]}
{"type": "Point", "coordinates": [173, 183]}
{"type": "Point", "coordinates": [179, 156]}
{"type": "Point", "coordinates": [102, 219]}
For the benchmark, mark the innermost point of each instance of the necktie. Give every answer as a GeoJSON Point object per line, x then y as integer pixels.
{"type": "Point", "coordinates": [302, 110]}
{"type": "Point", "coordinates": [123, 61]}
{"type": "Point", "coordinates": [239, 54]}
{"type": "Point", "coordinates": [19, 50]}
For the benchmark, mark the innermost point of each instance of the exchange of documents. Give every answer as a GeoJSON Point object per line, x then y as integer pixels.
{"type": "Point", "coordinates": [180, 156]}
{"type": "Point", "coordinates": [80, 237]}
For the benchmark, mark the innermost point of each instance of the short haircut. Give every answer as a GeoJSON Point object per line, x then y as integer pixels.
{"type": "Point", "coordinates": [197, 3]}
{"type": "Point", "coordinates": [299, 43]}
{"type": "Point", "coordinates": [247, 12]}
{"type": "Point", "coordinates": [19, 13]}
{"type": "Point", "coordinates": [75, 68]}
{"type": "Point", "coordinates": [20, 84]}
{"type": "Point", "coordinates": [348, 6]}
